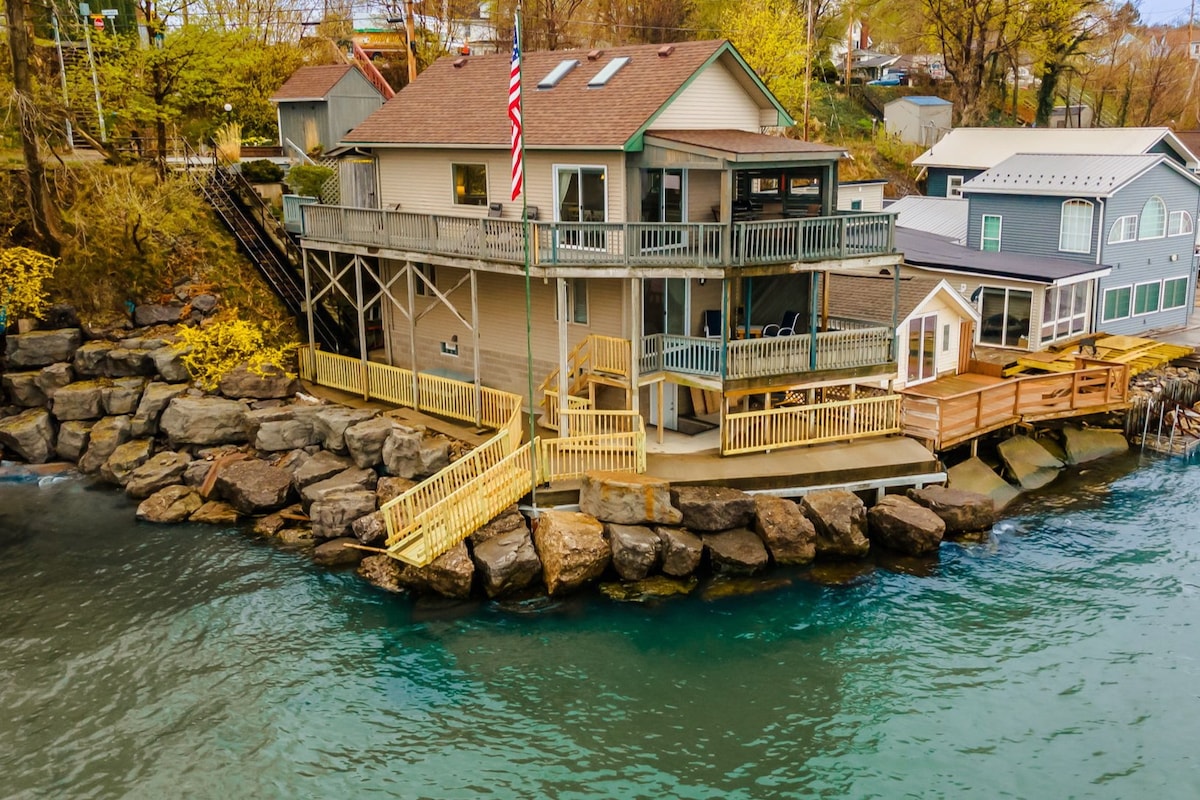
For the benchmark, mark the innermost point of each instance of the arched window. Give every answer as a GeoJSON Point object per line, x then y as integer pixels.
{"type": "Point", "coordinates": [1180, 223]}
{"type": "Point", "coordinates": [1075, 229]}
{"type": "Point", "coordinates": [1123, 230]}
{"type": "Point", "coordinates": [1154, 219]}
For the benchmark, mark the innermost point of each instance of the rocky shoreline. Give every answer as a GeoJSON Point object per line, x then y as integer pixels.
{"type": "Point", "coordinates": [312, 475]}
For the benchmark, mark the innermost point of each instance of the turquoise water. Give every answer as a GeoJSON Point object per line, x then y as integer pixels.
{"type": "Point", "coordinates": [1059, 659]}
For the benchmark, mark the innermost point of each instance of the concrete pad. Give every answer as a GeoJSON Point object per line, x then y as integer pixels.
{"type": "Point", "coordinates": [973, 475]}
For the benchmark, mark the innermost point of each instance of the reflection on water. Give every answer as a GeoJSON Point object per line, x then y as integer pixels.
{"type": "Point", "coordinates": [1057, 658]}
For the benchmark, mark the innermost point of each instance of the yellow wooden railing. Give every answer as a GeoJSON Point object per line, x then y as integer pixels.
{"type": "Point", "coordinates": [441, 511]}
{"type": "Point", "coordinates": [793, 426]}
{"type": "Point", "coordinates": [595, 355]}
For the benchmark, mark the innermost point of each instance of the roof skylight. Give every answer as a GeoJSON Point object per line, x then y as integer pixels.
{"type": "Point", "coordinates": [610, 69]}
{"type": "Point", "coordinates": [558, 73]}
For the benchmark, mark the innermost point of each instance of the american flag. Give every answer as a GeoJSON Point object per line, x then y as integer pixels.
{"type": "Point", "coordinates": [514, 114]}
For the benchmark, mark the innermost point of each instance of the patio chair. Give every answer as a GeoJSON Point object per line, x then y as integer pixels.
{"type": "Point", "coordinates": [785, 328]}
{"type": "Point", "coordinates": [712, 324]}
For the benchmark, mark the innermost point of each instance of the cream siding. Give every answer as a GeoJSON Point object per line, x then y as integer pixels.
{"type": "Point", "coordinates": [946, 358]}
{"type": "Point", "coordinates": [714, 100]}
{"type": "Point", "coordinates": [704, 194]}
{"type": "Point", "coordinates": [422, 181]}
{"type": "Point", "coordinates": [967, 284]}
{"type": "Point", "coordinates": [870, 194]}
{"type": "Point", "coordinates": [502, 348]}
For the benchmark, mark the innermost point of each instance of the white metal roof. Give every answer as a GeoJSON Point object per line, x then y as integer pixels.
{"type": "Point", "coordinates": [944, 216]}
{"type": "Point", "coordinates": [983, 148]}
{"type": "Point", "coordinates": [1073, 175]}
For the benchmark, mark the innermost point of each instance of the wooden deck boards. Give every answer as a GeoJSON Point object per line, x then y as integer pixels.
{"type": "Point", "coordinates": [1138, 353]}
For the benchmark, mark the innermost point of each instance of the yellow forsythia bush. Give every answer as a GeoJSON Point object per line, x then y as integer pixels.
{"type": "Point", "coordinates": [218, 348]}
{"type": "Point", "coordinates": [23, 272]}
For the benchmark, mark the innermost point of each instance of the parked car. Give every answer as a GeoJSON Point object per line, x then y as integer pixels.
{"type": "Point", "coordinates": [890, 79]}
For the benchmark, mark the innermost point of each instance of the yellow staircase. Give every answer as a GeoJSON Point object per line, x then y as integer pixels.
{"type": "Point", "coordinates": [597, 360]}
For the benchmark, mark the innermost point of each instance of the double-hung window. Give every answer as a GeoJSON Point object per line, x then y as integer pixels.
{"type": "Point", "coordinates": [1117, 303]}
{"type": "Point", "coordinates": [1174, 294]}
{"type": "Point", "coordinates": [1075, 227]}
{"type": "Point", "coordinates": [954, 185]}
{"type": "Point", "coordinates": [989, 233]}
{"type": "Point", "coordinates": [1146, 297]}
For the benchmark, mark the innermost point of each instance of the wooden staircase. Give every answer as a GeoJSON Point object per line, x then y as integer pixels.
{"type": "Point", "coordinates": [597, 360]}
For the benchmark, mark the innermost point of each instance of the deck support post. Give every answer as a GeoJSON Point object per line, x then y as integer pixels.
{"type": "Point", "coordinates": [895, 348]}
{"type": "Point", "coordinates": [478, 399]}
{"type": "Point", "coordinates": [633, 398]}
{"type": "Point", "coordinates": [362, 326]}
{"type": "Point", "coordinates": [814, 287]}
{"type": "Point", "coordinates": [308, 312]}
{"type": "Point", "coordinates": [410, 269]}
{"type": "Point", "coordinates": [661, 410]}
{"type": "Point", "coordinates": [564, 380]}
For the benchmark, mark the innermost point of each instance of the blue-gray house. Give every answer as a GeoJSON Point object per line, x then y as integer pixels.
{"type": "Point", "coordinates": [319, 105]}
{"type": "Point", "coordinates": [1132, 216]}
{"type": "Point", "coordinates": [963, 153]}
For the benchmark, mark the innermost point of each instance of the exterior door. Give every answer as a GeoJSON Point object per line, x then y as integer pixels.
{"type": "Point", "coordinates": [358, 183]}
{"type": "Point", "coordinates": [922, 349]}
{"type": "Point", "coordinates": [664, 199]}
{"type": "Point", "coordinates": [581, 196]}
{"type": "Point", "coordinates": [665, 311]}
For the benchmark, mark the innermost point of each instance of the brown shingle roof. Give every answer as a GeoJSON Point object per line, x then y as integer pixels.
{"type": "Point", "coordinates": [869, 297]}
{"type": "Point", "coordinates": [468, 104]}
{"type": "Point", "coordinates": [311, 83]}
{"type": "Point", "coordinates": [743, 142]}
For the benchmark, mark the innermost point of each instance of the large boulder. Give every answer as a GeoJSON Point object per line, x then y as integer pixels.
{"type": "Point", "coordinates": [121, 396]}
{"type": "Point", "coordinates": [901, 524]}
{"type": "Point", "coordinates": [215, 512]}
{"type": "Point", "coordinates": [338, 552]}
{"type": "Point", "coordinates": [449, 575]}
{"type": "Point", "coordinates": [382, 571]}
{"type": "Point", "coordinates": [788, 534]}
{"type": "Point", "coordinates": [572, 549]}
{"type": "Point", "coordinates": [713, 508]}
{"type": "Point", "coordinates": [371, 530]}
{"type": "Point", "coordinates": [331, 423]}
{"type": "Point", "coordinates": [973, 475]}
{"type": "Point", "coordinates": [508, 520]}
{"type": "Point", "coordinates": [53, 378]}
{"type": "Point", "coordinates": [634, 548]}
{"type": "Point", "coordinates": [73, 438]}
{"type": "Point", "coordinates": [366, 439]}
{"type": "Point", "coordinates": [155, 398]}
{"type": "Point", "coordinates": [30, 435]}
{"type": "Point", "coordinates": [253, 486]}
{"type": "Point", "coordinates": [41, 348]}
{"type": "Point", "coordinates": [840, 520]}
{"type": "Point", "coordinates": [507, 562]}
{"type": "Point", "coordinates": [408, 453]}
{"type": "Point", "coordinates": [736, 552]}
{"type": "Point", "coordinates": [962, 512]}
{"type": "Point", "coordinates": [90, 358]}
{"type": "Point", "coordinates": [681, 551]}
{"type": "Point", "coordinates": [169, 504]}
{"type": "Point", "coordinates": [160, 471]}
{"type": "Point", "coordinates": [1030, 465]}
{"type": "Point", "coordinates": [270, 383]}
{"type": "Point", "coordinates": [80, 400]}
{"type": "Point", "coordinates": [334, 513]}
{"type": "Point", "coordinates": [352, 478]}
{"type": "Point", "coordinates": [204, 421]}
{"type": "Point", "coordinates": [1088, 444]}
{"type": "Point", "coordinates": [22, 388]}
{"type": "Point", "coordinates": [627, 498]}
{"type": "Point", "coordinates": [125, 459]}
{"type": "Point", "coordinates": [124, 361]}
{"type": "Point", "coordinates": [147, 314]}
{"type": "Point", "coordinates": [287, 428]}
{"type": "Point", "coordinates": [168, 363]}
{"type": "Point", "coordinates": [321, 466]}
{"type": "Point", "coordinates": [105, 437]}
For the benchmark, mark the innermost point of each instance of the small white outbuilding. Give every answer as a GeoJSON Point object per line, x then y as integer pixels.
{"type": "Point", "coordinates": [918, 119]}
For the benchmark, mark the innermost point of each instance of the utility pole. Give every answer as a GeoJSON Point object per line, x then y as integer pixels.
{"type": "Point", "coordinates": [411, 35]}
{"type": "Point", "coordinates": [62, 73]}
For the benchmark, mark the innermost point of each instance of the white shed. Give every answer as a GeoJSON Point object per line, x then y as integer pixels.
{"type": "Point", "coordinates": [918, 119]}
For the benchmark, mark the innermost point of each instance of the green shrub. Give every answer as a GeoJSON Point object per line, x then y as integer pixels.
{"type": "Point", "coordinates": [262, 171]}
{"type": "Point", "coordinates": [307, 179]}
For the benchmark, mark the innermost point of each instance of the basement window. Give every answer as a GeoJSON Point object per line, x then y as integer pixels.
{"type": "Point", "coordinates": [610, 69]}
{"type": "Point", "coordinates": [558, 73]}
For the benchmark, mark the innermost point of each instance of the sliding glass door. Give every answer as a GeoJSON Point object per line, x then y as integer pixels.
{"type": "Point", "coordinates": [581, 195]}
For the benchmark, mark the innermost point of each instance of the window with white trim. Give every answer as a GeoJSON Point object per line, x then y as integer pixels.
{"type": "Point", "coordinates": [954, 185]}
{"type": "Point", "coordinates": [1179, 223]}
{"type": "Point", "coordinates": [1146, 297]}
{"type": "Point", "coordinates": [1064, 311]}
{"type": "Point", "coordinates": [1174, 293]}
{"type": "Point", "coordinates": [1124, 229]}
{"type": "Point", "coordinates": [989, 233]}
{"type": "Point", "coordinates": [1116, 303]}
{"type": "Point", "coordinates": [1154, 219]}
{"type": "Point", "coordinates": [1075, 227]}
{"type": "Point", "coordinates": [1005, 316]}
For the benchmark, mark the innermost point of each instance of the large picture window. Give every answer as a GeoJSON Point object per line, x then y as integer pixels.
{"type": "Point", "coordinates": [1064, 311]}
{"type": "Point", "coordinates": [1154, 219]}
{"type": "Point", "coordinates": [1005, 316]}
{"type": "Point", "coordinates": [1174, 293]}
{"type": "Point", "coordinates": [989, 233]}
{"type": "Point", "coordinates": [1075, 228]}
{"type": "Point", "coordinates": [470, 184]}
{"type": "Point", "coordinates": [1117, 303]}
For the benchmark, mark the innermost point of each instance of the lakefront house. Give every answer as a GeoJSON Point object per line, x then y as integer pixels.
{"type": "Point", "coordinates": [672, 252]}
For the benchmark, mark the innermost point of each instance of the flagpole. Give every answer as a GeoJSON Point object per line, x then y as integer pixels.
{"type": "Point", "coordinates": [519, 146]}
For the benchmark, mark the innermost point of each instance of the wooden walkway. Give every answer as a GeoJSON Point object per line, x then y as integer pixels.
{"type": "Point", "coordinates": [1137, 353]}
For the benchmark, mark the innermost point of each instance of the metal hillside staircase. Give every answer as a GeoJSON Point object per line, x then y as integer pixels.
{"type": "Point", "coordinates": [274, 253]}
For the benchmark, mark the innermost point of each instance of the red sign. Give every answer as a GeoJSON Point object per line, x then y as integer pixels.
{"type": "Point", "coordinates": [98, 21]}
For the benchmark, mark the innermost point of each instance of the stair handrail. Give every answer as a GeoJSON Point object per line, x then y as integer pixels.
{"type": "Point", "coordinates": [304, 157]}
